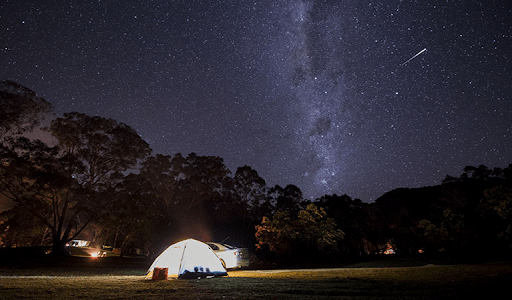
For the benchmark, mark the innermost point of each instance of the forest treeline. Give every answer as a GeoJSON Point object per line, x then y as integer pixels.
{"type": "Point", "coordinates": [99, 181]}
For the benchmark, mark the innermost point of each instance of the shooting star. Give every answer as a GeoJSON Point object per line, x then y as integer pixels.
{"type": "Point", "coordinates": [424, 49]}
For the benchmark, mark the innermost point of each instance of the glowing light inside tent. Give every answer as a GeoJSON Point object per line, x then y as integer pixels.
{"type": "Point", "coordinates": [188, 259]}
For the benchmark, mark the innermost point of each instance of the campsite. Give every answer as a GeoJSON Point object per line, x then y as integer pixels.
{"type": "Point", "coordinates": [187, 259]}
{"type": "Point", "coordinates": [383, 277]}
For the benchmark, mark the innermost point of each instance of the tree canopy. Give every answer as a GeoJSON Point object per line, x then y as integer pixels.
{"type": "Point", "coordinates": [61, 186]}
{"type": "Point", "coordinates": [20, 108]}
{"type": "Point", "coordinates": [101, 181]}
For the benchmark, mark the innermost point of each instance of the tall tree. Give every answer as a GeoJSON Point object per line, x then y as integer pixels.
{"type": "Point", "coordinates": [308, 232]}
{"type": "Point", "coordinates": [250, 187]}
{"type": "Point", "coordinates": [102, 147]}
{"type": "Point", "coordinates": [33, 176]}
{"type": "Point", "coordinates": [288, 198]}
{"type": "Point", "coordinates": [188, 190]}
{"type": "Point", "coordinates": [61, 185]}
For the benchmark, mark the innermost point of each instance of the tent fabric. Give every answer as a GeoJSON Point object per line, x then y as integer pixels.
{"type": "Point", "coordinates": [189, 259]}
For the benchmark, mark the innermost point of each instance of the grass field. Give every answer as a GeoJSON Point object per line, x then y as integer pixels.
{"type": "Point", "coordinates": [372, 280]}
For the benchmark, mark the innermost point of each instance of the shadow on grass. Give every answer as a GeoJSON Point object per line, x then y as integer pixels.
{"type": "Point", "coordinates": [46, 265]}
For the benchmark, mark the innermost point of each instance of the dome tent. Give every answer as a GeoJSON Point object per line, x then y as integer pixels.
{"type": "Point", "coordinates": [188, 259]}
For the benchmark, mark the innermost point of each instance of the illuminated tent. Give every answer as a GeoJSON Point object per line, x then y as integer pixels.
{"type": "Point", "coordinates": [188, 259]}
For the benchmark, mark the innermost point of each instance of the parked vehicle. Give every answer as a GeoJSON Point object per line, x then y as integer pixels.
{"type": "Point", "coordinates": [231, 257]}
{"type": "Point", "coordinates": [83, 248]}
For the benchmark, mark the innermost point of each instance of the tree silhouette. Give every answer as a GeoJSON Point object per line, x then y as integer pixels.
{"type": "Point", "coordinates": [34, 177]}
{"type": "Point", "coordinates": [20, 108]}
{"type": "Point", "coordinates": [61, 186]}
{"type": "Point", "coordinates": [308, 232]}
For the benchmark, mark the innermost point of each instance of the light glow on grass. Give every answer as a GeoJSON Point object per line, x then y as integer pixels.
{"type": "Point", "coordinates": [420, 282]}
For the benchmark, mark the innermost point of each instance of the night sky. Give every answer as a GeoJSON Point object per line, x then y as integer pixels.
{"type": "Point", "coordinates": [319, 94]}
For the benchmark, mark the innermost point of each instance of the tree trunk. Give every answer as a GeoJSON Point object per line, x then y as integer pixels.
{"type": "Point", "coordinates": [58, 247]}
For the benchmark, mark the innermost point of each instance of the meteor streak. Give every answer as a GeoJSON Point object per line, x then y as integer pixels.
{"type": "Point", "coordinates": [424, 49]}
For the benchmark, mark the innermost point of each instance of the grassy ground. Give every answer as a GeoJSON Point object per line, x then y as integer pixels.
{"type": "Point", "coordinates": [124, 279]}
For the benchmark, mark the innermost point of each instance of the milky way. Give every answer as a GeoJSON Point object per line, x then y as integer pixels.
{"type": "Point", "coordinates": [323, 123]}
{"type": "Point", "coordinates": [310, 93]}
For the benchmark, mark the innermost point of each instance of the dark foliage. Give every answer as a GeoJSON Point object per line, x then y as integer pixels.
{"type": "Point", "coordinates": [100, 182]}
{"type": "Point", "coordinates": [20, 108]}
